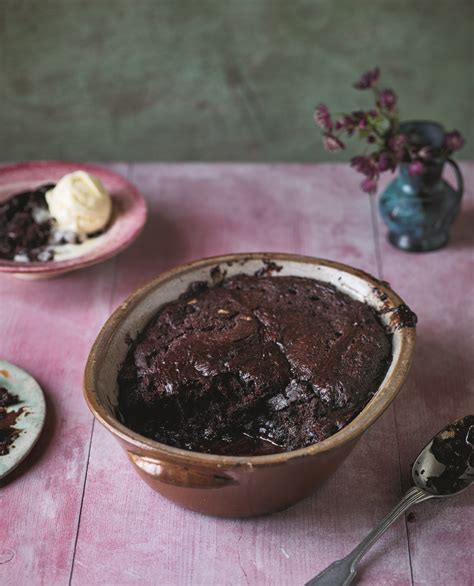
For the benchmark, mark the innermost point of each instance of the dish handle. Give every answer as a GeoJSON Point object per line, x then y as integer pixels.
{"type": "Point", "coordinates": [155, 470]}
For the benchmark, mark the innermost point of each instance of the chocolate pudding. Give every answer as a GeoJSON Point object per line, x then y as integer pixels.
{"type": "Point", "coordinates": [28, 231]}
{"type": "Point", "coordinates": [8, 433]}
{"type": "Point", "coordinates": [25, 226]}
{"type": "Point", "coordinates": [253, 365]}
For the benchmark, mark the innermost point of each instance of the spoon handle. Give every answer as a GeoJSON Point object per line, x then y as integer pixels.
{"type": "Point", "coordinates": [343, 571]}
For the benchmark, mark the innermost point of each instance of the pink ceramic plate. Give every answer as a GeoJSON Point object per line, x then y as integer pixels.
{"type": "Point", "coordinates": [128, 219]}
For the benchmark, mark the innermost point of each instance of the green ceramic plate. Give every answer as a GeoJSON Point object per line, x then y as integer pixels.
{"type": "Point", "coordinates": [30, 422]}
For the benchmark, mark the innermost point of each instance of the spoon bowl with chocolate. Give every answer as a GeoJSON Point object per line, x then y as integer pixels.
{"type": "Point", "coordinates": [56, 217]}
{"type": "Point", "coordinates": [238, 384]}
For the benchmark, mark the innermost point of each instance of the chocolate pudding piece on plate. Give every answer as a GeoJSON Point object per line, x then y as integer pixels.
{"type": "Point", "coordinates": [253, 365]}
{"type": "Point", "coordinates": [26, 226]}
{"type": "Point", "coordinates": [36, 224]}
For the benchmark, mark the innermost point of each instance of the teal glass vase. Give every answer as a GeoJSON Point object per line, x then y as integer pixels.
{"type": "Point", "coordinates": [420, 209]}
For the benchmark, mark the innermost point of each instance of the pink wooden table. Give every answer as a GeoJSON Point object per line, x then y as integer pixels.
{"type": "Point", "coordinates": [75, 512]}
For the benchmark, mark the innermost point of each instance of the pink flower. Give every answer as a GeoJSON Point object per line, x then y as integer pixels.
{"type": "Point", "coordinates": [416, 168]}
{"type": "Point", "coordinates": [365, 165]}
{"type": "Point", "coordinates": [368, 79]}
{"type": "Point", "coordinates": [345, 122]}
{"type": "Point", "coordinates": [369, 185]}
{"type": "Point", "coordinates": [453, 140]}
{"type": "Point", "coordinates": [387, 100]}
{"type": "Point", "coordinates": [397, 145]}
{"type": "Point", "coordinates": [322, 117]}
{"type": "Point", "coordinates": [388, 142]}
{"type": "Point", "coordinates": [332, 143]}
{"type": "Point", "coordinates": [385, 162]}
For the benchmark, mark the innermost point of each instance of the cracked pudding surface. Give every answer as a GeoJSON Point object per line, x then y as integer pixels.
{"type": "Point", "coordinates": [254, 365]}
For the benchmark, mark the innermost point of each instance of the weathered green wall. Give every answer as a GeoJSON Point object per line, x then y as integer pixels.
{"type": "Point", "coordinates": [218, 79]}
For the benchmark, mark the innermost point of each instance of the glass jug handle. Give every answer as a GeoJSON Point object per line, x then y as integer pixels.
{"type": "Point", "coordinates": [459, 177]}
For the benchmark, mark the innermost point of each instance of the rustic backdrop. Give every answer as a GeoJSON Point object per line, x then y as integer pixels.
{"type": "Point", "coordinates": [212, 80]}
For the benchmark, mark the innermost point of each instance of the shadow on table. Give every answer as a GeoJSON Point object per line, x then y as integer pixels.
{"type": "Point", "coordinates": [440, 368]}
{"type": "Point", "coordinates": [161, 245]}
{"type": "Point", "coordinates": [437, 392]}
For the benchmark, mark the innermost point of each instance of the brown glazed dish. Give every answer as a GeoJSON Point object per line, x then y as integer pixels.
{"type": "Point", "coordinates": [240, 486]}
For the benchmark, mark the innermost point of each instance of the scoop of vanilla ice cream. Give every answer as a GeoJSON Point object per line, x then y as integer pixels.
{"type": "Point", "coordinates": [79, 202]}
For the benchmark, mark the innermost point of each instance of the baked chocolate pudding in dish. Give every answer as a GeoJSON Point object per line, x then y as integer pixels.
{"type": "Point", "coordinates": [53, 220]}
{"type": "Point", "coordinates": [253, 365]}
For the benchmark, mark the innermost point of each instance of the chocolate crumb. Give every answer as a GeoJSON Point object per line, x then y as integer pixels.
{"type": "Point", "coordinates": [7, 398]}
{"type": "Point", "coordinates": [269, 267]}
{"type": "Point", "coordinates": [217, 275]}
{"type": "Point", "coordinates": [403, 316]}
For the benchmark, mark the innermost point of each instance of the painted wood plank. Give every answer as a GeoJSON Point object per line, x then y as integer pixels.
{"type": "Point", "coordinates": [128, 534]}
{"type": "Point", "coordinates": [439, 287]}
{"type": "Point", "coordinates": [47, 328]}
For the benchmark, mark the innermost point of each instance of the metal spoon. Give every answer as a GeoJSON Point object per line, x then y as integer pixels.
{"type": "Point", "coordinates": [444, 468]}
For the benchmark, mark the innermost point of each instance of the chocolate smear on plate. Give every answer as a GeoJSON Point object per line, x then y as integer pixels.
{"type": "Point", "coordinates": [8, 431]}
